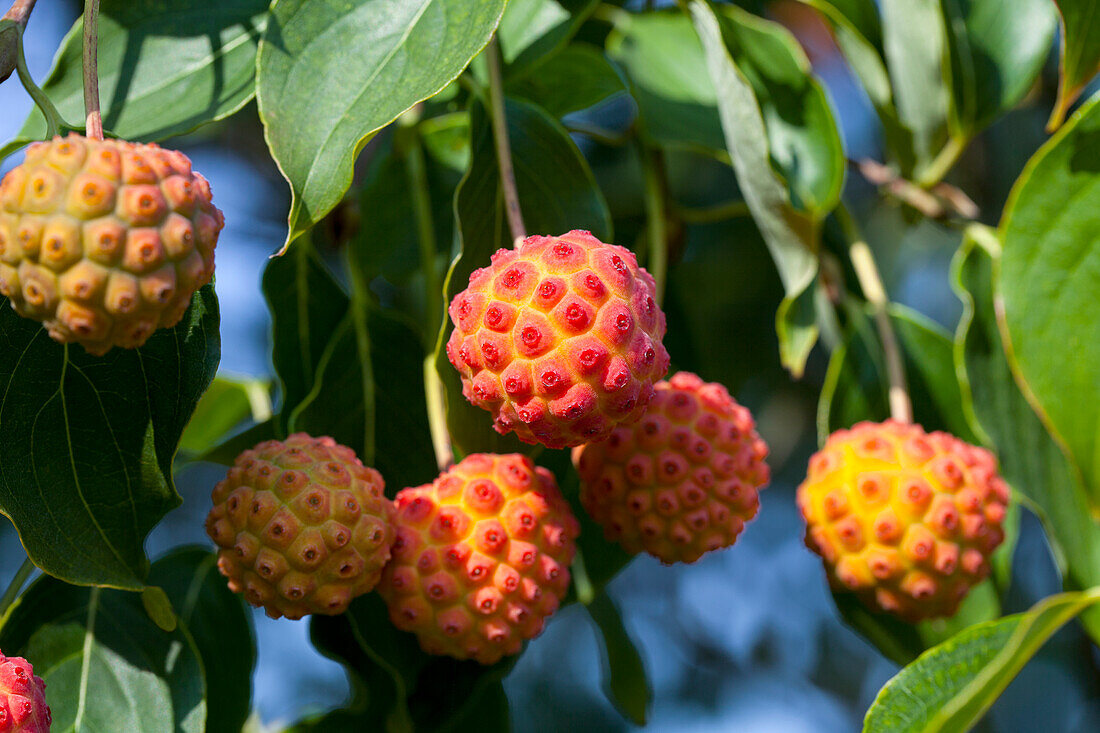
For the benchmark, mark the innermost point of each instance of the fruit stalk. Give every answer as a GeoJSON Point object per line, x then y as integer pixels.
{"type": "Point", "coordinates": [504, 150]}
{"type": "Point", "coordinates": [94, 124]}
{"type": "Point", "coordinates": [16, 585]}
{"type": "Point", "coordinates": [870, 282]}
{"type": "Point", "coordinates": [656, 199]}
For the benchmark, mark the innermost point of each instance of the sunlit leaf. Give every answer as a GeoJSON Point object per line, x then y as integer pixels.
{"type": "Point", "coordinates": [165, 66]}
{"type": "Point", "coordinates": [330, 75]}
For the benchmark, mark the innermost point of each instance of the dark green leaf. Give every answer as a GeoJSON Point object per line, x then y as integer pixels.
{"type": "Point", "coordinates": [226, 404]}
{"type": "Point", "coordinates": [557, 193]}
{"type": "Point", "coordinates": [405, 688]}
{"type": "Point", "coordinates": [532, 29]}
{"type": "Point", "coordinates": [914, 42]}
{"type": "Point", "coordinates": [997, 49]}
{"type": "Point", "coordinates": [1005, 420]}
{"type": "Point", "coordinates": [791, 237]}
{"type": "Point", "coordinates": [369, 395]}
{"type": "Point", "coordinates": [341, 403]}
{"type": "Point", "coordinates": [1049, 274]}
{"type": "Point", "coordinates": [950, 687]}
{"type": "Point", "coordinates": [575, 78]}
{"type": "Point", "coordinates": [330, 75]}
{"type": "Point", "coordinates": [220, 625]}
{"type": "Point", "coordinates": [1080, 57]}
{"type": "Point", "coordinates": [89, 441]}
{"type": "Point", "coordinates": [624, 674]}
{"type": "Point", "coordinates": [307, 305]}
{"type": "Point", "coordinates": [107, 666]}
{"type": "Point", "coordinates": [165, 66]}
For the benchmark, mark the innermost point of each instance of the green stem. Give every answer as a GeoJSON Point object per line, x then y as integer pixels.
{"type": "Point", "coordinates": [54, 122]}
{"type": "Point", "coordinates": [943, 162]}
{"type": "Point", "coordinates": [16, 585]}
{"type": "Point", "coordinates": [500, 137]}
{"type": "Point", "coordinates": [601, 135]}
{"type": "Point", "coordinates": [437, 414]}
{"type": "Point", "coordinates": [581, 582]}
{"type": "Point", "coordinates": [713, 214]}
{"type": "Point", "coordinates": [656, 216]}
{"type": "Point", "coordinates": [93, 128]}
{"type": "Point", "coordinates": [863, 262]}
{"type": "Point", "coordinates": [415, 170]}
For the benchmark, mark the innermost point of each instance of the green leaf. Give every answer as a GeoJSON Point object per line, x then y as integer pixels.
{"type": "Point", "coordinates": [557, 193]}
{"type": "Point", "coordinates": [1080, 57]}
{"type": "Point", "coordinates": [678, 102]}
{"type": "Point", "coordinates": [950, 687]}
{"type": "Point", "coordinates": [533, 29]}
{"type": "Point", "coordinates": [341, 403]}
{"type": "Point", "coordinates": [228, 402]}
{"type": "Point", "coordinates": [370, 387]}
{"type": "Point", "coordinates": [106, 665]}
{"type": "Point", "coordinates": [1049, 271]}
{"type": "Point", "coordinates": [89, 441]}
{"type": "Point", "coordinates": [447, 140]}
{"type": "Point", "coordinates": [856, 384]}
{"type": "Point", "coordinates": [387, 242]}
{"type": "Point", "coordinates": [802, 135]}
{"type": "Point", "coordinates": [1003, 418]}
{"type": "Point", "coordinates": [914, 41]}
{"type": "Point", "coordinates": [330, 75]}
{"type": "Point", "coordinates": [790, 236]}
{"type": "Point", "coordinates": [406, 688]}
{"type": "Point", "coordinates": [997, 50]}
{"type": "Point", "coordinates": [220, 625]}
{"type": "Point", "coordinates": [624, 674]}
{"type": "Point", "coordinates": [307, 305]}
{"type": "Point", "coordinates": [577, 77]}
{"type": "Point", "coordinates": [858, 32]}
{"type": "Point", "coordinates": [226, 453]}
{"type": "Point", "coordinates": [165, 66]}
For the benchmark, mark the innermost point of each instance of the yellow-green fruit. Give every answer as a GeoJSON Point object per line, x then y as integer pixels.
{"type": "Point", "coordinates": [105, 241]}
{"type": "Point", "coordinates": [302, 526]}
{"type": "Point", "coordinates": [904, 519]}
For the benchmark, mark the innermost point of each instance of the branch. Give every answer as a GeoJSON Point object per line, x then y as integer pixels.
{"type": "Point", "coordinates": [500, 136]}
{"type": "Point", "coordinates": [863, 262]}
{"type": "Point", "coordinates": [942, 202]}
{"type": "Point", "coordinates": [94, 126]}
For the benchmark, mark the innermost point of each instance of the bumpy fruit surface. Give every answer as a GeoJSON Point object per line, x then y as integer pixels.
{"type": "Point", "coordinates": [302, 526]}
{"type": "Point", "coordinates": [105, 241]}
{"type": "Point", "coordinates": [682, 481]}
{"type": "Point", "coordinates": [560, 339]}
{"type": "Point", "coordinates": [23, 706]}
{"type": "Point", "coordinates": [904, 519]}
{"type": "Point", "coordinates": [481, 558]}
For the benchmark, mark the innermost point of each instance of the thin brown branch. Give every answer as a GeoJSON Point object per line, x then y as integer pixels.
{"type": "Point", "coordinates": [94, 124]}
{"type": "Point", "coordinates": [943, 201]}
{"type": "Point", "coordinates": [504, 149]}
